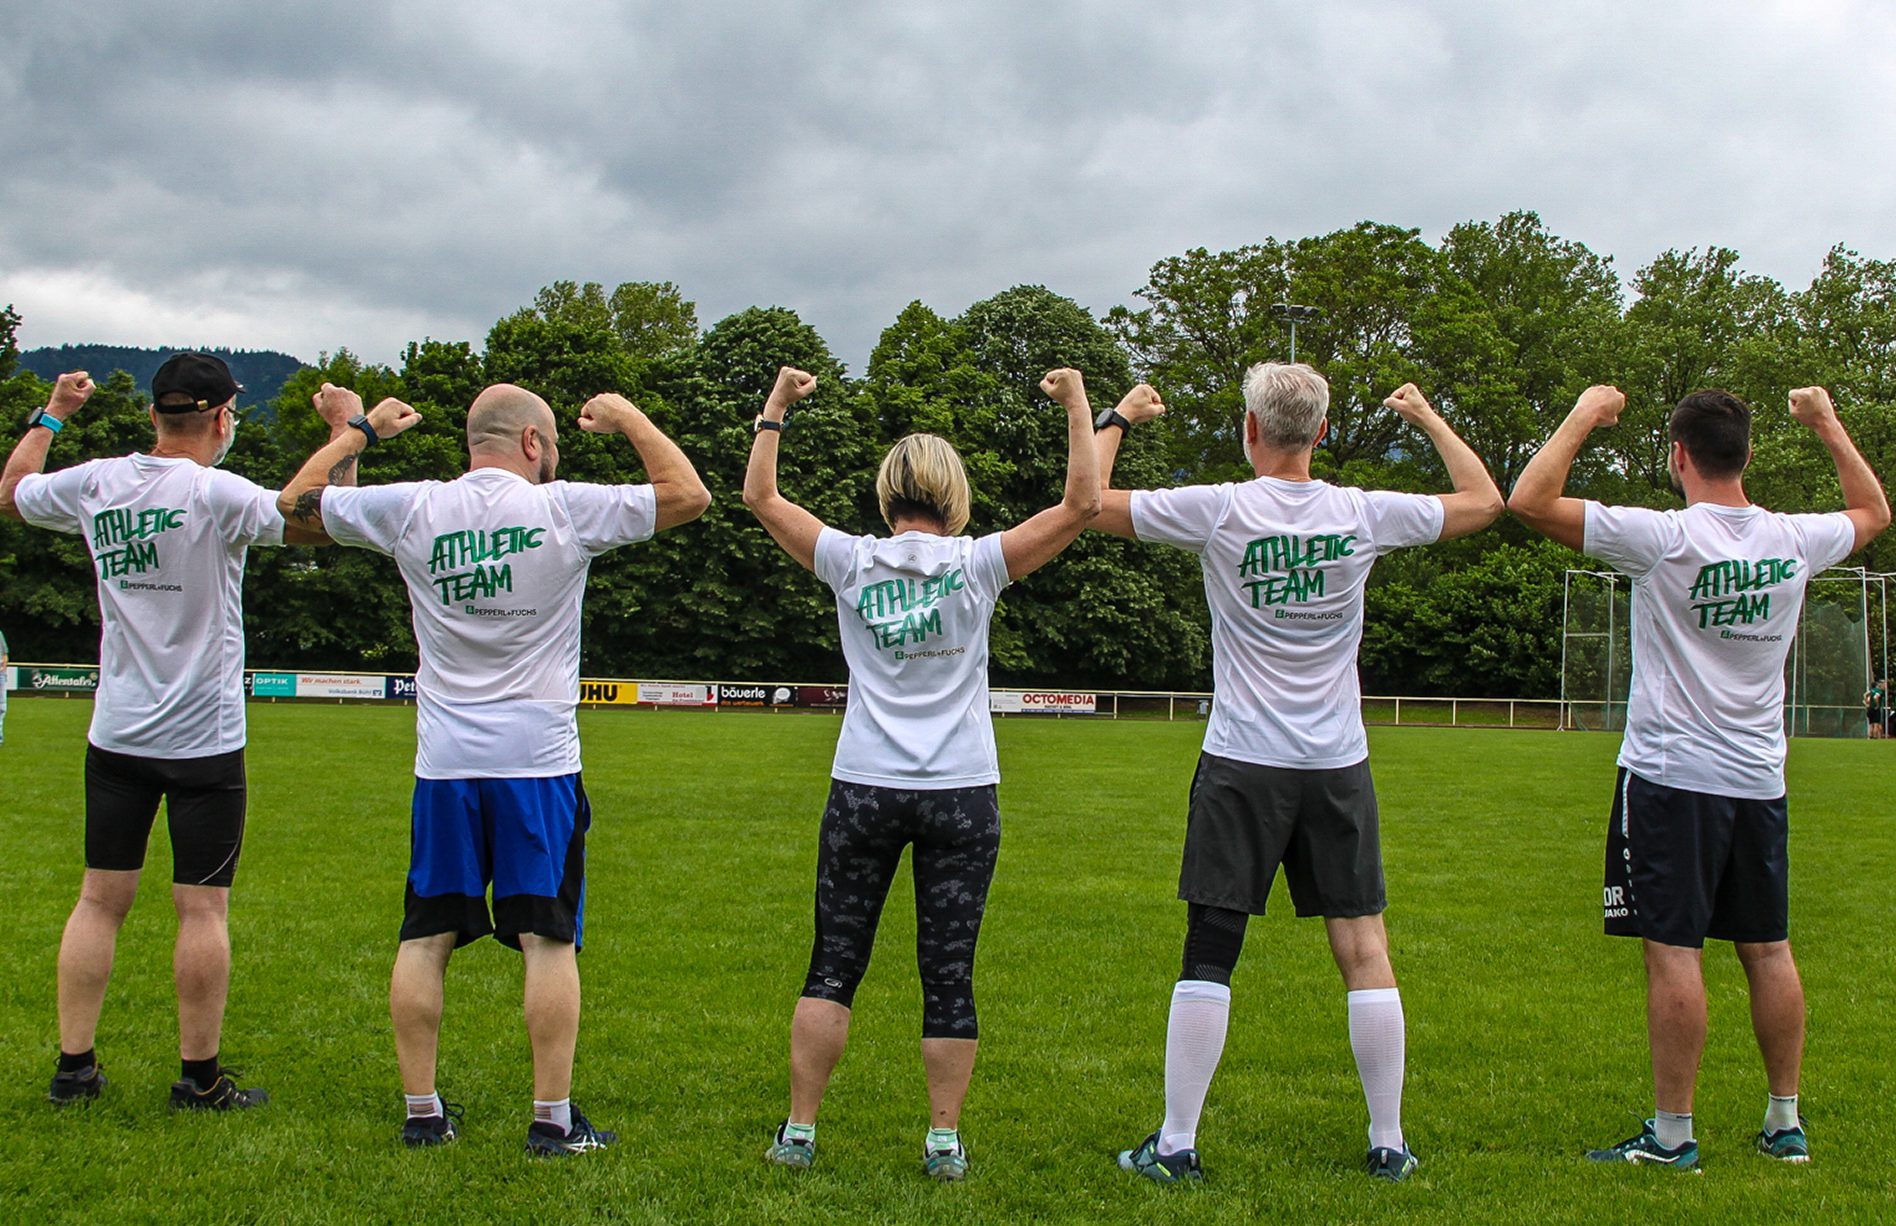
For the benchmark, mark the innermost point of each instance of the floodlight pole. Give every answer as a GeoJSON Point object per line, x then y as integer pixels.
{"type": "Point", "coordinates": [1293, 313]}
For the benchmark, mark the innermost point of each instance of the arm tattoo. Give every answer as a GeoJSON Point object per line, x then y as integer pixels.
{"type": "Point", "coordinates": [308, 507]}
{"type": "Point", "coordinates": [340, 470]}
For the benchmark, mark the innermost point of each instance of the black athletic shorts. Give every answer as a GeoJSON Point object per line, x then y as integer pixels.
{"type": "Point", "coordinates": [1321, 825]}
{"type": "Point", "coordinates": [204, 808]}
{"type": "Point", "coordinates": [1683, 866]}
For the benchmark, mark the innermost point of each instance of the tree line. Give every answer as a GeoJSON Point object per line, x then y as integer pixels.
{"type": "Point", "coordinates": [1502, 324]}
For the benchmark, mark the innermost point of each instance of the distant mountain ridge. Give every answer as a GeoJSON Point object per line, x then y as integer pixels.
{"type": "Point", "coordinates": [262, 371]}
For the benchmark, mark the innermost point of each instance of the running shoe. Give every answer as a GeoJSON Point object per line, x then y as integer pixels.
{"type": "Point", "coordinates": [1146, 1160]}
{"type": "Point", "coordinates": [1785, 1144]}
{"type": "Point", "coordinates": [1394, 1165]}
{"type": "Point", "coordinates": [1646, 1148]}
{"type": "Point", "coordinates": [948, 1164]}
{"type": "Point", "coordinates": [421, 1131]}
{"type": "Point", "coordinates": [223, 1094]}
{"type": "Point", "coordinates": [796, 1153]}
{"type": "Point", "coordinates": [545, 1140]}
{"type": "Point", "coordinates": [76, 1087]}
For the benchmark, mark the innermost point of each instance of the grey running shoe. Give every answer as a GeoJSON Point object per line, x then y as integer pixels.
{"type": "Point", "coordinates": [1645, 1148]}
{"type": "Point", "coordinates": [77, 1087]}
{"type": "Point", "coordinates": [223, 1094]}
{"type": "Point", "coordinates": [1146, 1160]}
{"type": "Point", "coordinates": [1785, 1144]}
{"type": "Point", "coordinates": [1394, 1165]}
{"type": "Point", "coordinates": [949, 1164]}
{"type": "Point", "coordinates": [796, 1153]}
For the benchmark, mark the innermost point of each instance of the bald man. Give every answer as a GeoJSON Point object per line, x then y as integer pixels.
{"type": "Point", "coordinates": [495, 562]}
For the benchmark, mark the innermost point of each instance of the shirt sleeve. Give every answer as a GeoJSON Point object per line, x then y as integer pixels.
{"type": "Point", "coordinates": [51, 500]}
{"type": "Point", "coordinates": [1184, 517]}
{"type": "Point", "coordinates": [245, 513]}
{"type": "Point", "coordinates": [608, 516]}
{"type": "Point", "coordinates": [835, 554]}
{"type": "Point", "coordinates": [1398, 521]}
{"type": "Point", "coordinates": [989, 564]}
{"type": "Point", "coordinates": [1631, 538]}
{"type": "Point", "coordinates": [1828, 539]}
{"type": "Point", "coordinates": [371, 516]}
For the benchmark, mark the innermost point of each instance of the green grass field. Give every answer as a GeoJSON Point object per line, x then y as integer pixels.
{"type": "Point", "coordinates": [1526, 1027]}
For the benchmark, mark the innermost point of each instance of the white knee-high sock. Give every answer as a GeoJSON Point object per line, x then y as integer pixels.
{"type": "Point", "coordinates": [1377, 1038]}
{"type": "Point", "coordinates": [1194, 1041]}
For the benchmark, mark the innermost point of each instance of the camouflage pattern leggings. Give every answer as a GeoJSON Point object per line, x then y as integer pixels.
{"type": "Point", "coordinates": [957, 835]}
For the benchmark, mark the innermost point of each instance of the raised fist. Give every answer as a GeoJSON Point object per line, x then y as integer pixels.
{"type": "Point", "coordinates": [792, 385]}
{"type": "Point", "coordinates": [1409, 401]}
{"type": "Point", "coordinates": [606, 413]}
{"type": "Point", "coordinates": [1812, 405]}
{"type": "Point", "coordinates": [70, 390]}
{"type": "Point", "coordinates": [1603, 402]}
{"type": "Point", "coordinates": [1064, 385]}
{"type": "Point", "coordinates": [336, 405]}
{"type": "Point", "coordinates": [390, 417]}
{"type": "Point", "coordinates": [1142, 403]}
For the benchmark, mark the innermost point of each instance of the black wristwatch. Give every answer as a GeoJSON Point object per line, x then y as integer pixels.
{"type": "Point", "coordinates": [1112, 417]}
{"type": "Point", "coordinates": [361, 422]}
{"type": "Point", "coordinates": [764, 423]}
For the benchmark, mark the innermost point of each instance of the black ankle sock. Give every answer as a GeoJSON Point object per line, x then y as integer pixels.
{"type": "Point", "coordinates": [200, 1072]}
{"type": "Point", "coordinates": [79, 1063]}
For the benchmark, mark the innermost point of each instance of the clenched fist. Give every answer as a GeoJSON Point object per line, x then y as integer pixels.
{"type": "Point", "coordinates": [1812, 406]}
{"type": "Point", "coordinates": [1142, 403]}
{"type": "Point", "coordinates": [1064, 385]}
{"type": "Point", "coordinates": [606, 413]}
{"type": "Point", "coordinates": [70, 390]}
{"type": "Point", "coordinates": [390, 417]}
{"type": "Point", "coordinates": [1409, 401]}
{"type": "Point", "coordinates": [792, 385]}
{"type": "Point", "coordinates": [336, 405]}
{"type": "Point", "coordinates": [1603, 403]}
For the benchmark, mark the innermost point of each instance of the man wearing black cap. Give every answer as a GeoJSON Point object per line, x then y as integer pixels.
{"type": "Point", "coordinates": [168, 532]}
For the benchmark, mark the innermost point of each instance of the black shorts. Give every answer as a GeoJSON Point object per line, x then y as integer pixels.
{"type": "Point", "coordinates": [1683, 866]}
{"type": "Point", "coordinates": [204, 808]}
{"type": "Point", "coordinates": [1321, 825]}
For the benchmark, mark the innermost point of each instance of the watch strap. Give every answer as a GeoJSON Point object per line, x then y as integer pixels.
{"type": "Point", "coordinates": [361, 422]}
{"type": "Point", "coordinates": [764, 423]}
{"type": "Point", "coordinates": [1112, 417]}
{"type": "Point", "coordinates": [43, 418]}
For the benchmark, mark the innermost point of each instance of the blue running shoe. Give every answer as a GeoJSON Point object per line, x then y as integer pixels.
{"type": "Point", "coordinates": [948, 1164]}
{"type": "Point", "coordinates": [1146, 1160]}
{"type": "Point", "coordinates": [1391, 1164]}
{"type": "Point", "coordinates": [422, 1131]}
{"type": "Point", "coordinates": [545, 1140]}
{"type": "Point", "coordinates": [1646, 1148]}
{"type": "Point", "coordinates": [1785, 1144]}
{"type": "Point", "coordinates": [797, 1153]}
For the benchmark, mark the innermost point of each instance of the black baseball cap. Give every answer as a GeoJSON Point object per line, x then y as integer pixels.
{"type": "Point", "coordinates": [205, 379]}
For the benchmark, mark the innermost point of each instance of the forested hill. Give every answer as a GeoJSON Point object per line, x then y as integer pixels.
{"type": "Point", "coordinates": [261, 371]}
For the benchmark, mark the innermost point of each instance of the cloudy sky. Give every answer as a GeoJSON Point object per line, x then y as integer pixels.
{"type": "Point", "coordinates": [308, 176]}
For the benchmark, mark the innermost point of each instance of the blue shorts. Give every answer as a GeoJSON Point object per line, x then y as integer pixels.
{"type": "Point", "coordinates": [525, 836]}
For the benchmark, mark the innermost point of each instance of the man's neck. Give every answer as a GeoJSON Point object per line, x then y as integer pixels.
{"type": "Point", "coordinates": [517, 465]}
{"type": "Point", "coordinates": [1727, 493]}
{"type": "Point", "coordinates": [1283, 465]}
{"type": "Point", "coordinates": [203, 451]}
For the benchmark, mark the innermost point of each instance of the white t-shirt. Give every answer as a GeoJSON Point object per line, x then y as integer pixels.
{"type": "Point", "coordinates": [496, 571]}
{"type": "Point", "coordinates": [1285, 563]}
{"type": "Point", "coordinates": [1716, 597]}
{"type": "Point", "coordinates": [914, 612]}
{"type": "Point", "coordinates": [168, 538]}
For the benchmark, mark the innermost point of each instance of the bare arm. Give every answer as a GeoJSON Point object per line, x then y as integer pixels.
{"type": "Point", "coordinates": [301, 501]}
{"type": "Point", "coordinates": [1141, 404]}
{"type": "Point", "coordinates": [1538, 500]}
{"type": "Point", "coordinates": [681, 494]}
{"type": "Point", "coordinates": [792, 527]}
{"type": "Point", "coordinates": [1476, 502]}
{"type": "Point", "coordinates": [71, 390]}
{"type": "Point", "coordinates": [1028, 546]}
{"type": "Point", "coordinates": [1863, 498]}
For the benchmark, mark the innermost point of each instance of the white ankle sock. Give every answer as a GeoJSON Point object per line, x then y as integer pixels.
{"type": "Point", "coordinates": [1780, 1113]}
{"type": "Point", "coordinates": [423, 1104]}
{"type": "Point", "coordinates": [560, 1112]}
{"type": "Point", "coordinates": [1379, 1042]}
{"type": "Point", "coordinates": [1671, 1129]}
{"type": "Point", "coordinates": [1194, 1042]}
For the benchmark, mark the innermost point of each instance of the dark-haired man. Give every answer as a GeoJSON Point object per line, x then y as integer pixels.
{"type": "Point", "coordinates": [168, 533]}
{"type": "Point", "coordinates": [1696, 843]}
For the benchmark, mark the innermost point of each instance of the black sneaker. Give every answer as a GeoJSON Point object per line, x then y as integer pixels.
{"type": "Point", "coordinates": [545, 1140]}
{"type": "Point", "coordinates": [421, 1131]}
{"type": "Point", "coordinates": [81, 1086]}
{"type": "Point", "coordinates": [223, 1095]}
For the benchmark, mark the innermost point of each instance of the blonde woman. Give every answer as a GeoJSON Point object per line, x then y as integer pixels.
{"type": "Point", "coordinates": [915, 762]}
